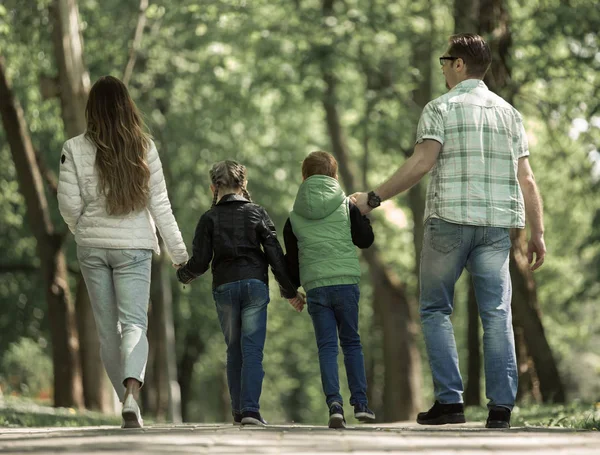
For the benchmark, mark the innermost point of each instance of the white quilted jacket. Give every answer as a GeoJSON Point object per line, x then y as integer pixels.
{"type": "Point", "coordinates": [84, 208]}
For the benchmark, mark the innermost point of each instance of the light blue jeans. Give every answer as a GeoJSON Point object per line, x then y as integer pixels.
{"type": "Point", "coordinates": [118, 283]}
{"type": "Point", "coordinates": [485, 252]}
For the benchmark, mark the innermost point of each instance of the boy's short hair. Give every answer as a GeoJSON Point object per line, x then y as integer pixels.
{"type": "Point", "coordinates": [319, 163]}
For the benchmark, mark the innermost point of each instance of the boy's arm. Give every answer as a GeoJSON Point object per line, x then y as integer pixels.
{"type": "Point", "coordinates": [360, 227]}
{"type": "Point", "coordinates": [275, 257]}
{"type": "Point", "coordinates": [291, 253]}
{"type": "Point", "coordinates": [202, 252]}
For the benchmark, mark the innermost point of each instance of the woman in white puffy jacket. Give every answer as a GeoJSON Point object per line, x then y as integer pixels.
{"type": "Point", "coordinates": [112, 195]}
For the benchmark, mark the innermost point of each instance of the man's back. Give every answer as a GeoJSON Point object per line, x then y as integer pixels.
{"type": "Point", "coordinates": [474, 181]}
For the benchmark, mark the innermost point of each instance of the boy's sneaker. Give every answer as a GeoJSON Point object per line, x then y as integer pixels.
{"type": "Point", "coordinates": [363, 413]}
{"type": "Point", "coordinates": [237, 418]}
{"type": "Point", "coordinates": [441, 414]}
{"type": "Point", "coordinates": [253, 418]}
{"type": "Point", "coordinates": [336, 416]}
{"type": "Point", "coordinates": [498, 417]}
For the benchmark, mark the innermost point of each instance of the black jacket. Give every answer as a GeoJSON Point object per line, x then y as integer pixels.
{"type": "Point", "coordinates": [240, 239]}
{"type": "Point", "coordinates": [360, 229]}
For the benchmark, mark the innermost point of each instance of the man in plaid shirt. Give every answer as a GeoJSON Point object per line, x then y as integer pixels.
{"type": "Point", "coordinates": [475, 146]}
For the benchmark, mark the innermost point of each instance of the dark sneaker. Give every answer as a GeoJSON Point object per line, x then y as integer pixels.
{"type": "Point", "coordinates": [253, 418]}
{"type": "Point", "coordinates": [441, 414]}
{"type": "Point", "coordinates": [336, 416]}
{"type": "Point", "coordinates": [363, 413]}
{"type": "Point", "coordinates": [237, 418]}
{"type": "Point", "coordinates": [498, 417]}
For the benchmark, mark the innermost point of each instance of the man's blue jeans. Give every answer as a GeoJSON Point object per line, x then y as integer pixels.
{"type": "Point", "coordinates": [334, 309]}
{"type": "Point", "coordinates": [485, 252]}
{"type": "Point", "coordinates": [242, 309]}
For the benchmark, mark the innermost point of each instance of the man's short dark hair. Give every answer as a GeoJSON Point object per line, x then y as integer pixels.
{"type": "Point", "coordinates": [473, 50]}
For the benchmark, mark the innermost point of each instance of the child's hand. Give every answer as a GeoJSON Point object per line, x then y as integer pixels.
{"type": "Point", "coordinates": [178, 266]}
{"type": "Point", "coordinates": [298, 302]}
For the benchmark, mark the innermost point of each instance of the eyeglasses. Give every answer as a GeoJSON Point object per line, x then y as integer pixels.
{"type": "Point", "coordinates": [447, 58]}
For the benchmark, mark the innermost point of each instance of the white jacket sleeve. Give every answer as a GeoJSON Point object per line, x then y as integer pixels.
{"type": "Point", "coordinates": [160, 209]}
{"type": "Point", "coordinates": [70, 202]}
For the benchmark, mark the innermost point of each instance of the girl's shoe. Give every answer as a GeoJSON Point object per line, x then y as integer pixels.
{"type": "Point", "coordinates": [253, 418]}
{"type": "Point", "coordinates": [132, 418]}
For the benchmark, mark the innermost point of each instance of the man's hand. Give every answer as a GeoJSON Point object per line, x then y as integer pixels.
{"type": "Point", "coordinates": [536, 246]}
{"type": "Point", "coordinates": [360, 200]}
{"type": "Point", "coordinates": [298, 302]}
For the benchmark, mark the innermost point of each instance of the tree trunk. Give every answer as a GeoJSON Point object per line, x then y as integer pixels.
{"type": "Point", "coordinates": [65, 346]}
{"type": "Point", "coordinates": [402, 388]}
{"type": "Point", "coordinates": [73, 88]}
{"type": "Point", "coordinates": [168, 395]}
{"type": "Point", "coordinates": [192, 350]}
{"type": "Point", "coordinates": [473, 388]}
{"type": "Point", "coordinates": [494, 23]}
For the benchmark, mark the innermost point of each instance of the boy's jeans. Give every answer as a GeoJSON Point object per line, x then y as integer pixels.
{"type": "Point", "coordinates": [333, 309]}
{"type": "Point", "coordinates": [485, 252]}
{"type": "Point", "coordinates": [242, 310]}
{"type": "Point", "coordinates": [118, 283]}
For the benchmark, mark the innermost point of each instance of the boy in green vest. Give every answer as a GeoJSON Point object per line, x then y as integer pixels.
{"type": "Point", "coordinates": [320, 238]}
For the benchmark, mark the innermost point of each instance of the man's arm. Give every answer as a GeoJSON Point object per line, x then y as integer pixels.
{"type": "Point", "coordinates": [533, 212]}
{"type": "Point", "coordinates": [420, 163]}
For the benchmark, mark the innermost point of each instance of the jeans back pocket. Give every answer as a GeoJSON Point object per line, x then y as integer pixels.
{"type": "Point", "coordinates": [443, 236]}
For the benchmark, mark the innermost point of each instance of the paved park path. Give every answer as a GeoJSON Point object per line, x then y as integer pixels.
{"type": "Point", "coordinates": [402, 438]}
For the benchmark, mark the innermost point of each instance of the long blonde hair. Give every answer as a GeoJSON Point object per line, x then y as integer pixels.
{"type": "Point", "coordinates": [116, 128]}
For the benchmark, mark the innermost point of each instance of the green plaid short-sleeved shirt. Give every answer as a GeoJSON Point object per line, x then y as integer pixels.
{"type": "Point", "coordinates": [474, 181]}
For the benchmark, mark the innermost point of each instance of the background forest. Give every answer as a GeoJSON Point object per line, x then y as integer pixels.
{"type": "Point", "coordinates": [266, 83]}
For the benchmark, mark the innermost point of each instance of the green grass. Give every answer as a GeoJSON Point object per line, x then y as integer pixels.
{"type": "Point", "coordinates": [576, 415]}
{"type": "Point", "coordinates": [21, 412]}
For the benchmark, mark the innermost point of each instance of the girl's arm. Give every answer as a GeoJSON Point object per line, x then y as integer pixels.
{"type": "Point", "coordinates": [275, 257]}
{"type": "Point", "coordinates": [202, 252]}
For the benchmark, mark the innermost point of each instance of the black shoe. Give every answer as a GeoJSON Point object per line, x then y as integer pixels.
{"type": "Point", "coordinates": [253, 418]}
{"type": "Point", "coordinates": [498, 417]}
{"type": "Point", "coordinates": [441, 414]}
{"type": "Point", "coordinates": [237, 418]}
{"type": "Point", "coordinates": [336, 416]}
{"type": "Point", "coordinates": [363, 413]}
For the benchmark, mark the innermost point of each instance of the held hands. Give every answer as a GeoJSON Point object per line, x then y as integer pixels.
{"type": "Point", "coordinates": [178, 266]}
{"type": "Point", "coordinates": [536, 246]}
{"type": "Point", "coordinates": [298, 302]}
{"type": "Point", "coordinates": [360, 200]}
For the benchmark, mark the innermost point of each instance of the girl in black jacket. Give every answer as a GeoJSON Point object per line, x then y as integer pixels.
{"type": "Point", "coordinates": [240, 239]}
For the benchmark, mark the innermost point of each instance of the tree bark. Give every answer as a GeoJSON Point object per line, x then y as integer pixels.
{"type": "Point", "coordinates": [73, 88]}
{"type": "Point", "coordinates": [193, 347]}
{"type": "Point", "coordinates": [494, 23]}
{"type": "Point", "coordinates": [167, 403]}
{"type": "Point", "coordinates": [135, 44]}
{"type": "Point", "coordinates": [65, 346]}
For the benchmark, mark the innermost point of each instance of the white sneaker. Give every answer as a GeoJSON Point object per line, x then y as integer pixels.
{"type": "Point", "coordinates": [132, 418]}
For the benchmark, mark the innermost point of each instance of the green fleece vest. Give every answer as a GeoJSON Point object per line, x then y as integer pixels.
{"type": "Point", "coordinates": [321, 223]}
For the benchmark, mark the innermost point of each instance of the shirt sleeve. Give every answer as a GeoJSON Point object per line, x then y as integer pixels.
{"type": "Point", "coordinates": [291, 253]}
{"type": "Point", "coordinates": [520, 143]}
{"type": "Point", "coordinates": [202, 248]}
{"type": "Point", "coordinates": [431, 124]}
{"type": "Point", "coordinates": [361, 230]}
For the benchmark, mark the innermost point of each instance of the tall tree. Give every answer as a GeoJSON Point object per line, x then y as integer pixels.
{"type": "Point", "coordinates": [65, 346]}
{"type": "Point", "coordinates": [402, 386]}
{"type": "Point", "coordinates": [72, 86]}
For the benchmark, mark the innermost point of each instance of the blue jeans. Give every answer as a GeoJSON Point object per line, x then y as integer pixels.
{"type": "Point", "coordinates": [485, 251]}
{"type": "Point", "coordinates": [334, 309]}
{"type": "Point", "coordinates": [118, 283]}
{"type": "Point", "coordinates": [242, 310]}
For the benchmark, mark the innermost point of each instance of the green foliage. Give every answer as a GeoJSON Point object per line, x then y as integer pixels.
{"type": "Point", "coordinates": [27, 369]}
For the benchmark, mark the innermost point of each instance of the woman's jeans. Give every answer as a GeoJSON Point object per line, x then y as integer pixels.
{"type": "Point", "coordinates": [334, 310]}
{"type": "Point", "coordinates": [485, 252]}
{"type": "Point", "coordinates": [242, 310]}
{"type": "Point", "coordinates": [118, 283]}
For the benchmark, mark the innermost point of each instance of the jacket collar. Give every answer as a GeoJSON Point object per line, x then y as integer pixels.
{"type": "Point", "coordinates": [232, 197]}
